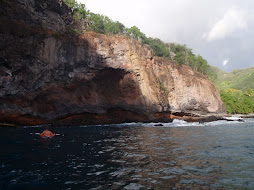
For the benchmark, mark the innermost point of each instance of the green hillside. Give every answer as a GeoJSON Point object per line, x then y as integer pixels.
{"type": "Point", "coordinates": [236, 89]}
{"type": "Point", "coordinates": [238, 79]}
{"type": "Point", "coordinates": [238, 101]}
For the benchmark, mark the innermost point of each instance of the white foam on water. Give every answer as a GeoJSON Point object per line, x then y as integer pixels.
{"type": "Point", "coordinates": [220, 122]}
{"type": "Point", "coordinates": [175, 123]}
{"type": "Point", "coordinates": [233, 118]}
{"type": "Point", "coordinates": [34, 126]}
{"type": "Point", "coordinates": [235, 121]}
{"type": "Point", "coordinates": [178, 123]}
{"type": "Point", "coordinates": [132, 124]}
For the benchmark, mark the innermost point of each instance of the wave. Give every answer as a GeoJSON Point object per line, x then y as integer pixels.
{"type": "Point", "coordinates": [182, 123]}
{"type": "Point", "coordinates": [233, 118]}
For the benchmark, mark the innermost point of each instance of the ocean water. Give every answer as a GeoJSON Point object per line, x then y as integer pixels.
{"type": "Point", "coordinates": [132, 156]}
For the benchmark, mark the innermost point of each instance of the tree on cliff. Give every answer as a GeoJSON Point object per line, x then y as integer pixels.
{"type": "Point", "coordinates": [104, 25]}
{"type": "Point", "coordinates": [184, 55]}
{"type": "Point", "coordinates": [71, 3]}
{"type": "Point", "coordinates": [135, 33]}
{"type": "Point", "coordinates": [159, 47]}
{"type": "Point", "coordinates": [96, 23]}
{"type": "Point", "coordinates": [79, 10]}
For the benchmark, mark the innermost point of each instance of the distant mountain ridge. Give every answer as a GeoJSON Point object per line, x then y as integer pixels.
{"type": "Point", "coordinates": [241, 79]}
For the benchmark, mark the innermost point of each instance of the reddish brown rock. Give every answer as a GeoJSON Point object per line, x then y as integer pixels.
{"type": "Point", "coordinates": [51, 76]}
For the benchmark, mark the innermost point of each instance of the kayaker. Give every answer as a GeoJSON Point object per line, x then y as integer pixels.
{"type": "Point", "coordinates": [47, 133]}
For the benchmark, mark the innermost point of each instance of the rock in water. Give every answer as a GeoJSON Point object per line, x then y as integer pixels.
{"type": "Point", "coordinates": [52, 75]}
{"type": "Point", "coordinates": [158, 125]}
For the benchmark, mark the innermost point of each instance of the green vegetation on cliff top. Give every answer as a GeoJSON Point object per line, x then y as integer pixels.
{"type": "Point", "coordinates": [172, 51]}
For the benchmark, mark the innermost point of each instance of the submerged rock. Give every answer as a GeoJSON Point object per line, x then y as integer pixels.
{"type": "Point", "coordinates": [49, 75]}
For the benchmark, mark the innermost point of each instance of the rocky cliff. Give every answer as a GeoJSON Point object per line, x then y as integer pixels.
{"type": "Point", "coordinates": [50, 74]}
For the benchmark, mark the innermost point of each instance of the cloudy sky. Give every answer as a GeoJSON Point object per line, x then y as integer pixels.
{"type": "Point", "coordinates": [221, 31]}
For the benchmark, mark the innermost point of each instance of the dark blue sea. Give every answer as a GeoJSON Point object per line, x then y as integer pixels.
{"type": "Point", "coordinates": [178, 155]}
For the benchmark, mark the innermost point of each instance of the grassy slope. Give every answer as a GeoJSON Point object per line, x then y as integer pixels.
{"type": "Point", "coordinates": [237, 79]}
{"type": "Point", "coordinates": [239, 100]}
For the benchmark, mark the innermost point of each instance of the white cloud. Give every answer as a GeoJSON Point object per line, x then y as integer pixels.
{"type": "Point", "coordinates": [225, 62]}
{"type": "Point", "coordinates": [233, 20]}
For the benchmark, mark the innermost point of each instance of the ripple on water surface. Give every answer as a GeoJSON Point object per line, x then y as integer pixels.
{"type": "Point", "coordinates": [178, 155]}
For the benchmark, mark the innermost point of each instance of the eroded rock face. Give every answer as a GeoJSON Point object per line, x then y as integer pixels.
{"type": "Point", "coordinates": [51, 76]}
